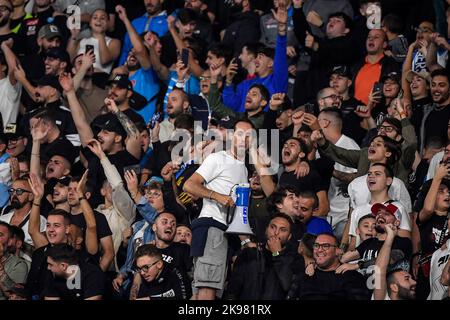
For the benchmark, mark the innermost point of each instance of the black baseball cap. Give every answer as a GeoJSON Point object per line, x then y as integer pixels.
{"type": "Point", "coordinates": [58, 53]}
{"type": "Point", "coordinates": [395, 76]}
{"type": "Point", "coordinates": [49, 80]}
{"type": "Point", "coordinates": [65, 150]}
{"type": "Point", "coordinates": [122, 81]}
{"type": "Point", "coordinates": [267, 51]}
{"type": "Point", "coordinates": [112, 124]}
{"type": "Point", "coordinates": [13, 131]}
{"type": "Point", "coordinates": [341, 70]}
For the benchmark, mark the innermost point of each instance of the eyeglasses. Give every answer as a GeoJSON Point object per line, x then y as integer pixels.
{"type": "Point", "coordinates": [146, 267]}
{"type": "Point", "coordinates": [18, 191]}
{"type": "Point", "coordinates": [333, 97]}
{"type": "Point", "coordinates": [5, 8]}
{"type": "Point", "coordinates": [324, 246]}
{"type": "Point", "coordinates": [386, 128]}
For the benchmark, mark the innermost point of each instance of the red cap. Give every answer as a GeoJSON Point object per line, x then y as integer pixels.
{"type": "Point", "coordinates": [391, 208]}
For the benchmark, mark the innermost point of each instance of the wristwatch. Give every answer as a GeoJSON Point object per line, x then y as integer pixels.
{"type": "Point", "coordinates": [275, 254]}
{"type": "Point", "coordinates": [245, 241]}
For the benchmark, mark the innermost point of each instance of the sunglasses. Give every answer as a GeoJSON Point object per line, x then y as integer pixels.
{"type": "Point", "coordinates": [18, 191]}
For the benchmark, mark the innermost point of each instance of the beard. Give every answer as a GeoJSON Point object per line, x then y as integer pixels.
{"type": "Point", "coordinates": [405, 293]}
{"type": "Point", "coordinates": [4, 22]}
{"type": "Point", "coordinates": [60, 201]}
{"type": "Point", "coordinates": [16, 204]}
{"type": "Point", "coordinates": [380, 229]}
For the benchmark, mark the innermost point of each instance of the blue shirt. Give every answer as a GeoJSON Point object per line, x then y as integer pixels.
{"type": "Point", "coordinates": [145, 82]}
{"type": "Point", "coordinates": [143, 24]}
{"type": "Point", "coordinates": [192, 86]}
{"type": "Point", "coordinates": [276, 82]}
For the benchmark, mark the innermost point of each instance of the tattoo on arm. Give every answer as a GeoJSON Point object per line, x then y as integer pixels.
{"type": "Point", "coordinates": [134, 291]}
{"type": "Point", "coordinates": [128, 125]}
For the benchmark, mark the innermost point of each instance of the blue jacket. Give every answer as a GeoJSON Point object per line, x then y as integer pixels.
{"type": "Point", "coordinates": [157, 24]}
{"type": "Point", "coordinates": [276, 82]}
{"type": "Point", "coordinates": [149, 214]}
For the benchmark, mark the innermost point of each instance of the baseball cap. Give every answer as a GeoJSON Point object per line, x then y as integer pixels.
{"type": "Point", "coordinates": [58, 53]}
{"type": "Point", "coordinates": [13, 130]}
{"type": "Point", "coordinates": [422, 74]}
{"type": "Point", "coordinates": [395, 76]}
{"type": "Point", "coordinates": [226, 122]}
{"type": "Point", "coordinates": [49, 31]}
{"type": "Point", "coordinates": [49, 80]}
{"type": "Point", "coordinates": [122, 81]}
{"type": "Point", "coordinates": [65, 150]}
{"type": "Point", "coordinates": [341, 70]}
{"type": "Point", "coordinates": [390, 208]}
{"type": "Point", "coordinates": [112, 124]}
{"type": "Point", "coordinates": [267, 51]}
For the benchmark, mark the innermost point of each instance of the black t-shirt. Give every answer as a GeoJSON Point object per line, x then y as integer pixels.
{"type": "Point", "coordinates": [103, 229]}
{"type": "Point", "coordinates": [351, 123]}
{"type": "Point", "coordinates": [171, 284]}
{"type": "Point", "coordinates": [328, 285]}
{"type": "Point", "coordinates": [39, 275]}
{"type": "Point", "coordinates": [17, 45]}
{"type": "Point", "coordinates": [437, 122]}
{"type": "Point", "coordinates": [92, 282]}
{"type": "Point", "coordinates": [433, 233]}
{"type": "Point", "coordinates": [177, 255]}
{"type": "Point", "coordinates": [368, 249]}
{"type": "Point", "coordinates": [312, 181]}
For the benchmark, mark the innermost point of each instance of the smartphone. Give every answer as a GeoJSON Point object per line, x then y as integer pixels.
{"type": "Point", "coordinates": [89, 47]}
{"type": "Point", "coordinates": [309, 108]}
{"type": "Point", "coordinates": [156, 117]}
{"type": "Point", "coordinates": [136, 168]}
{"type": "Point", "coordinates": [238, 62]}
{"type": "Point", "coordinates": [185, 56]}
{"type": "Point", "coordinates": [378, 87]}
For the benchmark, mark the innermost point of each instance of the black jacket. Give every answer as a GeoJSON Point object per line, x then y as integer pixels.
{"type": "Point", "coordinates": [171, 284]}
{"type": "Point", "coordinates": [257, 275]}
{"type": "Point", "coordinates": [244, 29]}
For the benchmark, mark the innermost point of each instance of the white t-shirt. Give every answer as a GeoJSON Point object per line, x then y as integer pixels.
{"type": "Point", "coordinates": [359, 193]}
{"type": "Point", "coordinates": [438, 261]}
{"type": "Point", "coordinates": [94, 42]}
{"type": "Point", "coordinates": [9, 101]}
{"type": "Point", "coordinates": [7, 218]}
{"type": "Point", "coordinates": [221, 172]}
{"type": "Point", "coordinates": [339, 201]}
{"type": "Point", "coordinates": [365, 209]}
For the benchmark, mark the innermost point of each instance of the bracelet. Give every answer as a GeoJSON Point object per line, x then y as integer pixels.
{"type": "Point", "coordinates": [36, 204]}
{"type": "Point", "coordinates": [210, 195]}
{"type": "Point", "coordinates": [245, 241]}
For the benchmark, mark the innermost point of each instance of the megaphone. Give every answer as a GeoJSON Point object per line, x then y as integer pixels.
{"type": "Point", "coordinates": [241, 197]}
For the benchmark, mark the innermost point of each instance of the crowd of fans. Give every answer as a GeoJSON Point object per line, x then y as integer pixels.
{"type": "Point", "coordinates": [349, 195]}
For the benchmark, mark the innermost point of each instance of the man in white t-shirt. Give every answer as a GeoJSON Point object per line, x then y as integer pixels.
{"type": "Point", "coordinates": [379, 179]}
{"type": "Point", "coordinates": [439, 272]}
{"type": "Point", "coordinates": [213, 181]}
{"type": "Point", "coordinates": [10, 88]}
{"type": "Point", "coordinates": [330, 121]}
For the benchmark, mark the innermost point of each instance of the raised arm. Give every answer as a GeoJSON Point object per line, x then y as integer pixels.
{"type": "Point", "coordinates": [121, 200]}
{"type": "Point", "coordinates": [132, 142]}
{"type": "Point", "coordinates": [73, 44]}
{"type": "Point", "coordinates": [429, 206]}
{"type": "Point", "coordinates": [11, 59]}
{"type": "Point", "coordinates": [79, 117]}
{"type": "Point", "coordinates": [138, 45]}
{"type": "Point", "coordinates": [37, 187]}
{"type": "Point", "coordinates": [19, 74]}
{"type": "Point", "coordinates": [88, 61]}
{"type": "Point", "coordinates": [382, 262]}
{"type": "Point", "coordinates": [91, 241]}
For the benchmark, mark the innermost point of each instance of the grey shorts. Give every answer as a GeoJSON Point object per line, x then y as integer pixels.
{"type": "Point", "coordinates": [210, 269]}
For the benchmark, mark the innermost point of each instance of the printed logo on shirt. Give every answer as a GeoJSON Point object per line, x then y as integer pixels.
{"type": "Point", "coordinates": [167, 294]}
{"type": "Point", "coordinates": [167, 258]}
{"type": "Point", "coordinates": [31, 30]}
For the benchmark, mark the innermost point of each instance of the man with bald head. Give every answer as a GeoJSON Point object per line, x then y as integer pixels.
{"type": "Point", "coordinates": [374, 66]}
